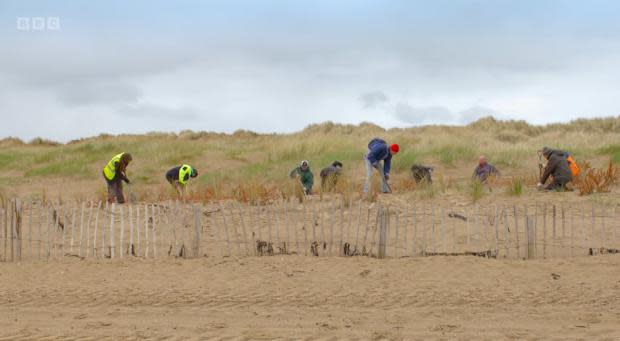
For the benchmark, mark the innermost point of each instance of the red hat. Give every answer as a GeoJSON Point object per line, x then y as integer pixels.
{"type": "Point", "coordinates": [394, 148]}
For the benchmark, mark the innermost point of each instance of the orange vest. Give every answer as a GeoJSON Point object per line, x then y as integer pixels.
{"type": "Point", "coordinates": [573, 166]}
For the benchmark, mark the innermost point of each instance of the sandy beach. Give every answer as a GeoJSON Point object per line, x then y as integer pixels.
{"type": "Point", "coordinates": [291, 297]}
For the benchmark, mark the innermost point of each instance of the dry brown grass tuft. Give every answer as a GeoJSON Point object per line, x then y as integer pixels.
{"type": "Point", "coordinates": [597, 180]}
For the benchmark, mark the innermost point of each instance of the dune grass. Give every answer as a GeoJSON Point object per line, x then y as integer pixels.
{"type": "Point", "coordinates": [246, 164]}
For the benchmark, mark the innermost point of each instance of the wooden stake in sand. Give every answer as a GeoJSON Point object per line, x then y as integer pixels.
{"type": "Point", "coordinates": [563, 223]}
{"type": "Point", "coordinates": [314, 220]}
{"type": "Point", "coordinates": [73, 210]}
{"type": "Point", "coordinates": [131, 250]}
{"type": "Point", "coordinates": [146, 231]}
{"type": "Point", "coordinates": [112, 243]}
{"type": "Point", "coordinates": [197, 231]}
{"type": "Point", "coordinates": [90, 216]}
{"type": "Point", "coordinates": [415, 230]}
{"type": "Point", "coordinates": [81, 253]}
{"type": "Point", "coordinates": [287, 227]}
{"type": "Point", "coordinates": [106, 213]}
{"type": "Point", "coordinates": [545, 231]}
{"type": "Point", "coordinates": [359, 224]}
{"type": "Point", "coordinates": [531, 247]}
{"type": "Point", "coordinates": [226, 229]}
{"type": "Point", "coordinates": [443, 231]}
{"type": "Point", "coordinates": [56, 221]}
{"type": "Point", "coordinates": [138, 222]}
{"type": "Point", "coordinates": [583, 231]}
{"type": "Point", "coordinates": [31, 208]}
{"type": "Point", "coordinates": [42, 221]}
{"type": "Point", "coordinates": [496, 223]}
{"type": "Point", "coordinates": [10, 226]}
{"type": "Point", "coordinates": [244, 229]}
{"type": "Point", "coordinates": [154, 222]}
{"type": "Point", "coordinates": [341, 244]}
{"type": "Point", "coordinates": [322, 240]}
{"type": "Point", "coordinates": [216, 230]}
{"type": "Point", "coordinates": [592, 228]}
{"type": "Point", "coordinates": [366, 232]}
{"type": "Point", "coordinates": [49, 222]}
{"type": "Point", "coordinates": [433, 228]}
{"type": "Point", "coordinates": [603, 234]}
{"type": "Point", "coordinates": [516, 216]}
{"type": "Point", "coordinates": [554, 235]}
{"type": "Point", "coordinates": [506, 234]}
{"type": "Point", "coordinates": [425, 231]}
{"type": "Point", "coordinates": [4, 230]}
{"type": "Point", "coordinates": [121, 248]}
{"type": "Point", "coordinates": [305, 228]}
{"type": "Point", "coordinates": [405, 232]}
{"type": "Point", "coordinates": [383, 223]}
{"type": "Point", "coordinates": [277, 225]}
{"type": "Point", "coordinates": [296, 236]}
{"type": "Point", "coordinates": [396, 216]}
{"type": "Point", "coordinates": [331, 229]}
{"type": "Point", "coordinates": [96, 227]}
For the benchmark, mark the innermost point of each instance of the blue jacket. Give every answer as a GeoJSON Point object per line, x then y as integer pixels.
{"type": "Point", "coordinates": [379, 150]}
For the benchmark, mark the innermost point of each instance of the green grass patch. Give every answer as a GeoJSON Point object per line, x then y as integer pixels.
{"type": "Point", "coordinates": [449, 155]}
{"type": "Point", "coordinates": [404, 160]}
{"type": "Point", "coordinates": [613, 151]}
{"type": "Point", "coordinates": [476, 190]}
{"type": "Point", "coordinates": [516, 187]}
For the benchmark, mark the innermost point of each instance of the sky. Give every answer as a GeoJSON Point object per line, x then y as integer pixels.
{"type": "Point", "coordinates": [71, 69]}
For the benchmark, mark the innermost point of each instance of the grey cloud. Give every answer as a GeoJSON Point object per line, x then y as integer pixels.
{"type": "Point", "coordinates": [373, 99]}
{"type": "Point", "coordinates": [439, 114]}
{"type": "Point", "coordinates": [422, 115]}
{"type": "Point", "coordinates": [148, 110]}
{"type": "Point", "coordinates": [106, 93]}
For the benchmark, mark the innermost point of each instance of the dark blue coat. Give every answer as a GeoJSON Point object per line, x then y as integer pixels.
{"type": "Point", "coordinates": [378, 150]}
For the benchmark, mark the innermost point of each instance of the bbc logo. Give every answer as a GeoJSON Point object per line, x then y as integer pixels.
{"type": "Point", "coordinates": [38, 24]}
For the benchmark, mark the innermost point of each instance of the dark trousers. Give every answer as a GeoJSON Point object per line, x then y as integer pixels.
{"type": "Point", "coordinates": [115, 190]}
{"type": "Point", "coordinates": [175, 183]}
{"type": "Point", "coordinates": [557, 185]}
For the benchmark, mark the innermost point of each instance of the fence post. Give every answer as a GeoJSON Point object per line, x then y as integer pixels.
{"type": "Point", "coordinates": [226, 228]}
{"type": "Point", "coordinates": [121, 248]}
{"type": "Point", "coordinates": [73, 214]}
{"type": "Point", "coordinates": [517, 231]}
{"type": "Point", "coordinates": [112, 243]}
{"type": "Point", "coordinates": [583, 228]}
{"type": "Point", "coordinates": [496, 223]}
{"type": "Point", "coordinates": [603, 234]}
{"type": "Point", "coordinates": [415, 230]}
{"type": "Point", "coordinates": [545, 230]}
{"type": "Point", "coordinates": [297, 235]}
{"type": "Point", "coordinates": [359, 223]}
{"type": "Point", "coordinates": [340, 248]}
{"type": "Point", "coordinates": [433, 228]}
{"type": "Point", "coordinates": [96, 227]}
{"type": "Point", "coordinates": [304, 227]}
{"type": "Point", "coordinates": [592, 228]}
{"type": "Point", "coordinates": [506, 233]}
{"type": "Point", "coordinates": [11, 226]}
{"type": "Point", "coordinates": [531, 245]}
{"type": "Point", "coordinates": [383, 226]}
{"type": "Point", "coordinates": [81, 252]}
{"type": "Point", "coordinates": [197, 231]}
{"type": "Point", "coordinates": [154, 224]}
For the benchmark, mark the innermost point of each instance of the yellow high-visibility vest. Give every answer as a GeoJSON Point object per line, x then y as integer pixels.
{"type": "Point", "coordinates": [185, 169]}
{"type": "Point", "coordinates": [110, 169]}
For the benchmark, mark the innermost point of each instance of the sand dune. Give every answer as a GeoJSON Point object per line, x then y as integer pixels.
{"type": "Point", "coordinates": [291, 297]}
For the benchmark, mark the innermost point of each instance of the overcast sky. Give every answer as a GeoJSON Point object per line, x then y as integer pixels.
{"type": "Point", "coordinates": [138, 66]}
